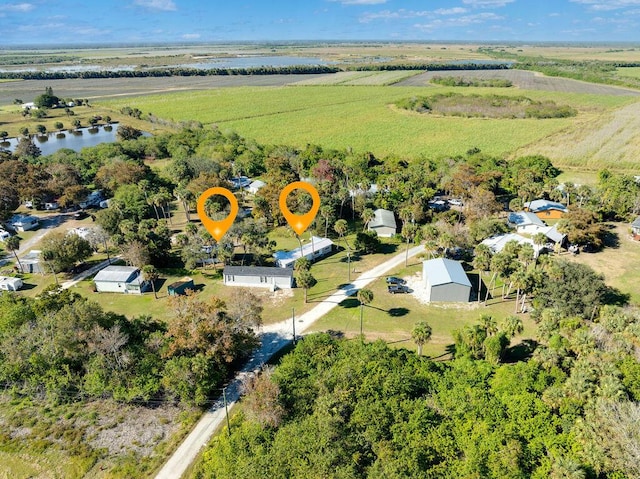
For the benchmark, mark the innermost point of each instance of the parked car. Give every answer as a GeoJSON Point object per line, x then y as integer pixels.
{"type": "Point", "coordinates": [80, 215]}
{"type": "Point", "coordinates": [455, 202]}
{"type": "Point", "coordinates": [4, 235]}
{"type": "Point", "coordinates": [395, 280]}
{"type": "Point", "coordinates": [397, 288]}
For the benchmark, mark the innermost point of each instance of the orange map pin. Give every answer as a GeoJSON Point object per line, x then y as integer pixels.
{"type": "Point", "coordinates": [299, 223]}
{"type": "Point", "coordinates": [217, 229]}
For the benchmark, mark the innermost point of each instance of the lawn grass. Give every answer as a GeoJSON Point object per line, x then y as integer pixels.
{"type": "Point", "coordinates": [392, 317]}
{"type": "Point", "coordinates": [360, 117]}
{"type": "Point", "coordinates": [631, 72]}
{"type": "Point", "coordinates": [51, 463]}
{"type": "Point", "coordinates": [619, 262]}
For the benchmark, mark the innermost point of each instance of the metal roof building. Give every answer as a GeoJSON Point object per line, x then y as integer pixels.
{"type": "Point", "coordinates": [119, 279]}
{"type": "Point", "coordinates": [315, 249]}
{"type": "Point", "coordinates": [445, 280]}
{"type": "Point", "coordinates": [383, 223]}
{"type": "Point", "coordinates": [258, 277]}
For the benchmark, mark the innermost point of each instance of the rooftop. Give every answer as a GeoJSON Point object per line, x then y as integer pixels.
{"type": "Point", "coordinates": [116, 274]}
{"type": "Point", "coordinates": [544, 205]}
{"type": "Point", "coordinates": [316, 244]}
{"type": "Point", "coordinates": [445, 271]}
{"type": "Point", "coordinates": [383, 218]}
{"type": "Point", "coordinates": [258, 271]}
{"type": "Point", "coordinates": [525, 218]}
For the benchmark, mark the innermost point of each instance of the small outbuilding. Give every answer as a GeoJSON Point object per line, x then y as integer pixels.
{"type": "Point", "coordinates": [120, 279]}
{"type": "Point", "coordinates": [23, 223]}
{"type": "Point", "coordinates": [445, 280]}
{"type": "Point", "coordinates": [31, 262]}
{"type": "Point", "coordinates": [383, 223]}
{"type": "Point", "coordinates": [180, 287]}
{"type": "Point", "coordinates": [315, 249]}
{"type": "Point", "coordinates": [258, 277]}
{"type": "Point", "coordinates": [256, 186]}
{"type": "Point", "coordinates": [8, 283]}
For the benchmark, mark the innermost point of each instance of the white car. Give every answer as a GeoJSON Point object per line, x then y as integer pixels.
{"type": "Point", "coordinates": [4, 235]}
{"type": "Point", "coordinates": [455, 202]}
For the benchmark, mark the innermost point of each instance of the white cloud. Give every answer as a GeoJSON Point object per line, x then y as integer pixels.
{"type": "Point", "coordinates": [165, 5]}
{"type": "Point", "coordinates": [360, 2]}
{"type": "Point", "coordinates": [191, 36]}
{"type": "Point", "coordinates": [487, 3]}
{"type": "Point", "coordinates": [393, 15]}
{"type": "Point", "coordinates": [450, 11]}
{"type": "Point", "coordinates": [18, 7]}
{"type": "Point", "coordinates": [604, 5]}
{"type": "Point", "coordinates": [456, 22]}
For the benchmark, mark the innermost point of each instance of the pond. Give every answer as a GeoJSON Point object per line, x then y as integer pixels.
{"type": "Point", "coordinates": [75, 140]}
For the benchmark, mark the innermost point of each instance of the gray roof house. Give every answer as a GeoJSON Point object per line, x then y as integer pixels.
{"type": "Point", "coordinates": [383, 223]}
{"type": "Point", "coordinates": [526, 222]}
{"type": "Point", "coordinates": [258, 277]}
{"type": "Point", "coordinates": [120, 279]}
{"type": "Point", "coordinates": [445, 280]}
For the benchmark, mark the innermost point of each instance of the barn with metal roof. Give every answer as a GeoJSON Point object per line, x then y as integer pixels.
{"type": "Point", "coordinates": [445, 280]}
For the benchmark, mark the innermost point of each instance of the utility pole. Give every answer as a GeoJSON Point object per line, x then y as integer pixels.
{"type": "Point", "coordinates": [293, 319]}
{"type": "Point", "coordinates": [226, 409]}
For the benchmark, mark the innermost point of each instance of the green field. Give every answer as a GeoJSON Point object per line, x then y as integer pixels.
{"type": "Point", "coordinates": [362, 118]}
{"type": "Point", "coordinates": [632, 72]}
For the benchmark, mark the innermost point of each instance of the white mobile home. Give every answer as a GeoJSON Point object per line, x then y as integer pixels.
{"type": "Point", "coordinates": [315, 249]}
{"type": "Point", "coordinates": [258, 277]}
{"type": "Point", "coordinates": [23, 223]}
{"type": "Point", "coordinates": [10, 283]}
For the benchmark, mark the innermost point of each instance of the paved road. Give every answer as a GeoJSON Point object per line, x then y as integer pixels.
{"type": "Point", "coordinates": [274, 337]}
{"type": "Point", "coordinates": [46, 225]}
{"type": "Point", "coordinates": [89, 272]}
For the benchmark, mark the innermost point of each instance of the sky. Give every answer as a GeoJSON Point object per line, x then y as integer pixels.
{"type": "Point", "coordinates": [54, 22]}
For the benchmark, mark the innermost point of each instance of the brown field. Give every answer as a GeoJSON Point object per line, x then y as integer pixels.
{"type": "Point", "coordinates": [627, 53]}
{"type": "Point", "coordinates": [525, 80]}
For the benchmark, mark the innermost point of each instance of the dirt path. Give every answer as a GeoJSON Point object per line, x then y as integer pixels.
{"type": "Point", "coordinates": [274, 337]}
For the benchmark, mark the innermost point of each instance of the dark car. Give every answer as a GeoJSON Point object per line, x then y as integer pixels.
{"type": "Point", "coordinates": [395, 280]}
{"type": "Point", "coordinates": [397, 288]}
{"type": "Point", "coordinates": [80, 215]}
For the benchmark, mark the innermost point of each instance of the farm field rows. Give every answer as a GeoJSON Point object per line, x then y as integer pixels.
{"type": "Point", "coordinates": [525, 80]}
{"type": "Point", "coordinates": [360, 78]}
{"type": "Point", "coordinates": [362, 118]}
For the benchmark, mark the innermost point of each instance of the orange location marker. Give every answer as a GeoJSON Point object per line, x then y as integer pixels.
{"type": "Point", "coordinates": [299, 223]}
{"type": "Point", "coordinates": [217, 229]}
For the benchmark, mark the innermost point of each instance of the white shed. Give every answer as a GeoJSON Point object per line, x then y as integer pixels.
{"type": "Point", "coordinates": [445, 280]}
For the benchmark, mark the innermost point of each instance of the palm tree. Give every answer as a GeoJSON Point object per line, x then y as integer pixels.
{"type": "Point", "coordinates": [482, 262]}
{"type": "Point", "coordinates": [488, 324]}
{"type": "Point", "coordinates": [409, 231]}
{"type": "Point", "coordinates": [150, 273]}
{"type": "Point", "coordinates": [13, 244]}
{"type": "Point", "coordinates": [305, 280]}
{"type": "Point", "coordinates": [365, 296]}
{"type": "Point", "coordinates": [302, 264]}
{"type": "Point", "coordinates": [511, 326]}
{"type": "Point", "coordinates": [367, 215]}
{"type": "Point", "coordinates": [326, 211]}
{"type": "Point", "coordinates": [341, 227]}
{"type": "Point", "coordinates": [421, 334]}
{"type": "Point", "coordinates": [430, 235]}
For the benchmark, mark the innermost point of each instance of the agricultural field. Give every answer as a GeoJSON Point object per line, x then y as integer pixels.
{"type": "Point", "coordinates": [525, 80]}
{"type": "Point", "coordinates": [362, 118]}
{"type": "Point", "coordinates": [628, 53]}
{"type": "Point", "coordinates": [375, 78]}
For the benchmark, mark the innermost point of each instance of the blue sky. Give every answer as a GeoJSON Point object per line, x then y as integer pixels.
{"type": "Point", "coordinates": [108, 21]}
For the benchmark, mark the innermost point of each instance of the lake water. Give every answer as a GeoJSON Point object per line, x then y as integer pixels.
{"type": "Point", "coordinates": [75, 140]}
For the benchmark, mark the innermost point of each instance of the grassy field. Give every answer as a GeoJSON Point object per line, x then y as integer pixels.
{"type": "Point", "coordinates": [360, 78]}
{"type": "Point", "coordinates": [392, 317]}
{"type": "Point", "coordinates": [50, 464]}
{"type": "Point", "coordinates": [361, 118]}
{"type": "Point", "coordinates": [632, 72]}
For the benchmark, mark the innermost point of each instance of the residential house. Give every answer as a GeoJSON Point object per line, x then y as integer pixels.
{"type": "Point", "coordinates": [315, 249]}
{"type": "Point", "coordinates": [240, 182]}
{"type": "Point", "coordinates": [23, 223]}
{"type": "Point", "coordinates": [546, 209]}
{"type": "Point", "coordinates": [383, 223]}
{"type": "Point", "coordinates": [120, 279]}
{"type": "Point", "coordinates": [258, 277]}
{"type": "Point", "coordinates": [498, 242]}
{"type": "Point", "coordinates": [10, 284]}
{"type": "Point", "coordinates": [256, 186]}
{"type": "Point", "coordinates": [445, 280]}
{"type": "Point", "coordinates": [635, 229]}
{"type": "Point", "coordinates": [526, 222]}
